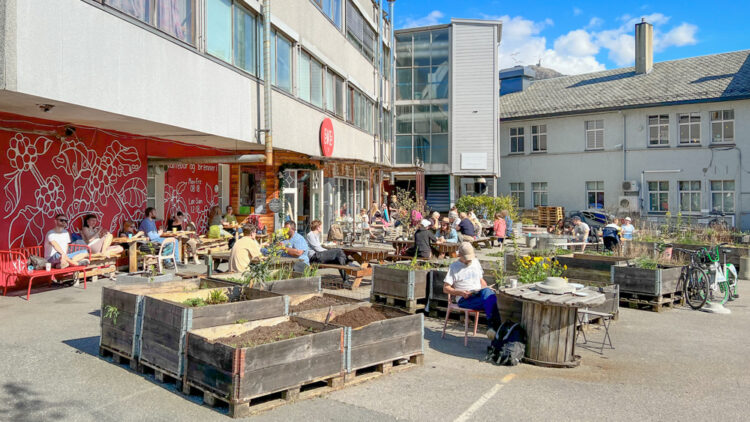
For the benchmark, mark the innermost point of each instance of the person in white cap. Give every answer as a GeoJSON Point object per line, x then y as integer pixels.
{"type": "Point", "coordinates": [627, 229]}
{"type": "Point", "coordinates": [465, 280]}
{"type": "Point", "coordinates": [423, 239]}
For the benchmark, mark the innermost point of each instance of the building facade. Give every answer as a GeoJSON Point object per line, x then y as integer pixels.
{"type": "Point", "coordinates": [164, 100]}
{"type": "Point", "coordinates": [667, 138]}
{"type": "Point", "coordinates": [446, 103]}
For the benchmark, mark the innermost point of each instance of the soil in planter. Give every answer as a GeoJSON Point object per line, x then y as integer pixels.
{"type": "Point", "coordinates": [263, 335]}
{"type": "Point", "coordinates": [317, 302]}
{"type": "Point", "coordinates": [362, 316]}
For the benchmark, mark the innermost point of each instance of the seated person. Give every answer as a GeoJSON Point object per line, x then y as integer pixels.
{"type": "Point", "coordinates": [320, 255]}
{"type": "Point", "coordinates": [229, 221]}
{"type": "Point", "coordinates": [176, 222]}
{"type": "Point", "coordinates": [362, 221]}
{"type": "Point", "coordinates": [465, 281]}
{"type": "Point", "coordinates": [447, 233]}
{"type": "Point", "coordinates": [379, 222]}
{"type": "Point", "coordinates": [56, 243]}
{"type": "Point", "coordinates": [148, 226]}
{"type": "Point", "coordinates": [245, 250]}
{"type": "Point", "coordinates": [97, 238]}
{"type": "Point", "coordinates": [423, 239]}
{"type": "Point", "coordinates": [129, 228]}
{"type": "Point", "coordinates": [294, 247]}
{"type": "Point", "coordinates": [215, 223]}
{"type": "Point", "coordinates": [466, 228]}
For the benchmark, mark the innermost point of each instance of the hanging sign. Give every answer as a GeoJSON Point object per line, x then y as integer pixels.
{"type": "Point", "coordinates": [326, 137]}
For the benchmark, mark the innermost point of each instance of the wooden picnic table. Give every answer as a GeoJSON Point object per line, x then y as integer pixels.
{"type": "Point", "coordinates": [364, 255]}
{"type": "Point", "coordinates": [550, 323]}
{"type": "Point", "coordinates": [132, 243]}
{"type": "Point", "coordinates": [181, 235]}
{"type": "Point", "coordinates": [443, 249]}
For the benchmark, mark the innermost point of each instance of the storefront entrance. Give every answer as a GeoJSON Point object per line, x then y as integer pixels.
{"type": "Point", "coordinates": [302, 194]}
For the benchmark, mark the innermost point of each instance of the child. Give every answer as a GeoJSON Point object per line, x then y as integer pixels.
{"type": "Point", "coordinates": [499, 228]}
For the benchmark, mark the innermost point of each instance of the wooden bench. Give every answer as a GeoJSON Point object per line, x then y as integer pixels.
{"type": "Point", "coordinates": [485, 241]}
{"type": "Point", "coordinates": [14, 263]}
{"type": "Point", "coordinates": [356, 272]}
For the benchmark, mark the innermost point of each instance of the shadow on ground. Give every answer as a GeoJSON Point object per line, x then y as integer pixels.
{"type": "Point", "coordinates": [88, 345]}
{"type": "Point", "coordinates": [20, 403]}
{"type": "Point", "coordinates": [453, 343]}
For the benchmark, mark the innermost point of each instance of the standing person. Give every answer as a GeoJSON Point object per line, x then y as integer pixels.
{"type": "Point", "coordinates": [384, 213]}
{"type": "Point", "coordinates": [466, 228]}
{"type": "Point", "coordinates": [465, 281]}
{"type": "Point", "coordinates": [56, 243]}
{"type": "Point", "coordinates": [627, 229]}
{"type": "Point", "coordinates": [611, 235]}
{"type": "Point", "coordinates": [508, 223]}
{"type": "Point", "coordinates": [364, 222]}
{"type": "Point", "coordinates": [423, 240]}
{"type": "Point", "coordinates": [97, 238]}
{"type": "Point", "coordinates": [320, 255]}
{"type": "Point", "coordinates": [499, 228]}
{"type": "Point", "coordinates": [581, 232]}
{"type": "Point", "coordinates": [245, 249]}
{"type": "Point", "coordinates": [475, 221]}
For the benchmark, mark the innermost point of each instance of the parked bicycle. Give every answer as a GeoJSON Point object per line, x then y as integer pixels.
{"type": "Point", "coordinates": [723, 276]}
{"type": "Point", "coordinates": [694, 280]}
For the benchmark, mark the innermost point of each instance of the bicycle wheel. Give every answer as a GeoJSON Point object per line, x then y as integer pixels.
{"type": "Point", "coordinates": [696, 287]}
{"type": "Point", "coordinates": [718, 292]}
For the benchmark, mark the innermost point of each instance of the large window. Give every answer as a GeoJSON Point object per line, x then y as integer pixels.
{"type": "Point", "coordinates": [359, 109]}
{"type": "Point", "coordinates": [423, 128]}
{"type": "Point", "coordinates": [516, 140]}
{"type": "Point", "coordinates": [722, 126]}
{"type": "Point", "coordinates": [595, 194]}
{"type": "Point", "coordinates": [690, 196]}
{"type": "Point", "coordinates": [219, 29]}
{"type": "Point", "coordinates": [539, 194]}
{"type": "Point", "coordinates": [422, 66]}
{"type": "Point", "coordinates": [658, 130]}
{"type": "Point", "coordinates": [175, 17]}
{"type": "Point", "coordinates": [281, 63]}
{"type": "Point", "coordinates": [246, 46]}
{"type": "Point", "coordinates": [332, 9]}
{"type": "Point", "coordinates": [594, 134]}
{"type": "Point", "coordinates": [539, 138]}
{"type": "Point", "coordinates": [658, 196]}
{"type": "Point", "coordinates": [310, 79]}
{"type": "Point", "coordinates": [334, 93]}
{"type": "Point", "coordinates": [358, 31]}
{"type": "Point", "coordinates": [517, 192]}
{"type": "Point", "coordinates": [722, 195]}
{"type": "Point", "coordinates": [690, 128]}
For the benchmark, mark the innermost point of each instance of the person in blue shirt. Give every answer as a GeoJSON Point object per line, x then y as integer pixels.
{"type": "Point", "coordinates": [295, 247]}
{"type": "Point", "coordinates": [447, 234]}
{"type": "Point", "coordinates": [148, 226]}
{"type": "Point", "coordinates": [508, 223]}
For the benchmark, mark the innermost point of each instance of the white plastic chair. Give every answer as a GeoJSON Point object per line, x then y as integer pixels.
{"type": "Point", "coordinates": [167, 251]}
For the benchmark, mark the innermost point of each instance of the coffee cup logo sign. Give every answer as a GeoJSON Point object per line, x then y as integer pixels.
{"type": "Point", "coordinates": [326, 137]}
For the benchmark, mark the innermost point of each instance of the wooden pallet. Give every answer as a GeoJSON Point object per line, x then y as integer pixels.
{"type": "Point", "coordinates": [161, 375]}
{"type": "Point", "coordinates": [378, 370]}
{"type": "Point", "coordinates": [119, 358]}
{"type": "Point", "coordinates": [652, 303]}
{"type": "Point", "coordinates": [549, 216]}
{"type": "Point", "coordinates": [267, 401]}
{"type": "Point", "coordinates": [410, 306]}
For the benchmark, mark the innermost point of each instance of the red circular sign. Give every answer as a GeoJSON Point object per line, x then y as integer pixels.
{"type": "Point", "coordinates": [326, 137]}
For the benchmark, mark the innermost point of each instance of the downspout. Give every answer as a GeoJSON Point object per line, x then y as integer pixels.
{"type": "Point", "coordinates": [267, 80]}
{"type": "Point", "coordinates": [380, 82]}
{"type": "Point", "coordinates": [392, 70]}
{"type": "Point", "coordinates": [625, 148]}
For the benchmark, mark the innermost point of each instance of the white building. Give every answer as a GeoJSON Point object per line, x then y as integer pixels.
{"type": "Point", "coordinates": [642, 140]}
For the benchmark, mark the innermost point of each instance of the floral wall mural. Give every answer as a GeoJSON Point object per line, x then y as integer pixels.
{"type": "Point", "coordinates": [193, 190]}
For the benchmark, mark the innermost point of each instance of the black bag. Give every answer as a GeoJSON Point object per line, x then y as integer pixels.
{"type": "Point", "coordinates": [37, 262]}
{"type": "Point", "coordinates": [508, 346]}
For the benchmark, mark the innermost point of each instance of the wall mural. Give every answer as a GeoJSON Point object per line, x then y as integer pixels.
{"type": "Point", "coordinates": [192, 189]}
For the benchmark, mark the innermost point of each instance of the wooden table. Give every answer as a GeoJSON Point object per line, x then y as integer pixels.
{"type": "Point", "coordinates": [443, 249]}
{"type": "Point", "coordinates": [364, 255]}
{"type": "Point", "coordinates": [550, 324]}
{"type": "Point", "coordinates": [181, 235]}
{"type": "Point", "coordinates": [132, 243]}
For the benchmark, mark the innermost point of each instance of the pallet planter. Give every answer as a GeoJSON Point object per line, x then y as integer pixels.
{"type": "Point", "coordinates": [120, 333]}
{"type": "Point", "coordinates": [290, 286]}
{"type": "Point", "coordinates": [166, 321]}
{"type": "Point", "coordinates": [591, 270]}
{"type": "Point", "coordinates": [394, 286]}
{"type": "Point", "coordinates": [240, 376]}
{"type": "Point", "coordinates": [379, 343]}
{"type": "Point", "coordinates": [342, 301]}
{"type": "Point", "coordinates": [733, 257]}
{"type": "Point", "coordinates": [659, 288]}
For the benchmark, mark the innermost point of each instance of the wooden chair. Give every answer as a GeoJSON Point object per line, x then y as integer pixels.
{"type": "Point", "coordinates": [467, 312]}
{"type": "Point", "coordinates": [167, 251]}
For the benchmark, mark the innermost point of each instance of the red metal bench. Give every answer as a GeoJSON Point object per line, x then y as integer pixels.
{"type": "Point", "coordinates": [14, 264]}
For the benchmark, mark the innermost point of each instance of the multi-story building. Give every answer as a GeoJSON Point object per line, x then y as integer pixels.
{"type": "Point", "coordinates": [446, 108]}
{"type": "Point", "coordinates": [107, 106]}
{"type": "Point", "coordinates": [643, 140]}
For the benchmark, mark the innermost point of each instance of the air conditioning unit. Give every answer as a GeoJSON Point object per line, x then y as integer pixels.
{"type": "Point", "coordinates": [630, 186]}
{"type": "Point", "coordinates": [628, 204]}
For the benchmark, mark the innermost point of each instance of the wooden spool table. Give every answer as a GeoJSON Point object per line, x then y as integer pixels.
{"type": "Point", "coordinates": [550, 324]}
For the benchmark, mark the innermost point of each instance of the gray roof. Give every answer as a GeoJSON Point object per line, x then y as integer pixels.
{"type": "Point", "coordinates": [718, 77]}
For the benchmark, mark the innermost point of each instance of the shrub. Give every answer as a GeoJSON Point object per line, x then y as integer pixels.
{"type": "Point", "coordinates": [535, 269]}
{"type": "Point", "coordinates": [488, 205]}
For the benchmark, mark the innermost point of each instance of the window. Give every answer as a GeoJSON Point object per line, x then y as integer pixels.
{"type": "Point", "coordinates": [658, 130]}
{"type": "Point", "coordinates": [517, 193]}
{"type": "Point", "coordinates": [690, 128]}
{"type": "Point", "coordinates": [516, 140]}
{"type": "Point", "coordinates": [175, 17]}
{"type": "Point", "coordinates": [429, 125]}
{"type": "Point", "coordinates": [219, 29]}
{"type": "Point", "coordinates": [539, 138]}
{"type": "Point", "coordinates": [359, 110]}
{"type": "Point", "coordinates": [423, 69]}
{"type": "Point", "coordinates": [658, 196]}
{"type": "Point", "coordinates": [281, 66]}
{"type": "Point", "coordinates": [594, 134]}
{"type": "Point", "coordinates": [722, 126]}
{"type": "Point", "coordinates": [358, 31]}
{"type": "Point", "coordinates": [246, 44]}
{"type": "Point", "coordinates": [690, 196]}
{"type": "Point", "coordinates": [595, 194]}
{"type": "Point", "coordinates": [303, 76]}
{"type": "Point", "coordinates": [539, 194]}
{"type": "Point", "coordinates": [722, 195]}
{"type": "Point", "coordinates": [403, 149]}
{"type": "Point", "coordinates": [332, 9]}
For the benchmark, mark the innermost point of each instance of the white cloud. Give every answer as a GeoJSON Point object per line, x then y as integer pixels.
{"type": "Point", "coordinates": [576, 43]}
{"type": "Point", "coordinates": [595, 22]}
{"type": "Point", "coordinates": [620, 44]}
{"type": "Point", "coordinates": [432, 18]}
{"type": "Point", "coordinates": [678, 36]}
{"type": "Point", "coordinates": [577, 11]}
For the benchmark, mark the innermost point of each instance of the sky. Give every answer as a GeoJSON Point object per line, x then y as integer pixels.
{"type": "Point", "coordinates": [587, 36]}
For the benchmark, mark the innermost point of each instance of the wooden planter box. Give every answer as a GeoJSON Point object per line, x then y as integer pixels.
{"type": "Point", "coordinates": [290, 286]}
{"type": "Point", "coordinates": [166, 321]}
{"type": "Point", "coordinates": [591, 270]}
{"type": "Point", "coordinates": [733, 257]}
{"type": "Point", "coordinates": [378, 342]}
{"type": "Point", "coordinates": [297, 299]}
{"type": "Point", "coordinates": [658, 282]}
{"type": "Point", "coordinates": [401, 284]}
{"type": "Point", "coordinates": [238, 375]}
{"type": "Point", "coordinates": [121, 335]}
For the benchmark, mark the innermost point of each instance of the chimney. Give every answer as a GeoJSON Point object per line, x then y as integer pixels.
{"type": "Point", "coordinates": [644, 47]}
{"type": "Point", "coordinates": [516, 79]}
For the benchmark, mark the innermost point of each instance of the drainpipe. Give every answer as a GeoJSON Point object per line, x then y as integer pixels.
{"type": "Point", "coordinates": [392, 68]}
{"type": "Point", "coordinates": [625, 147]}
{"type": "Point", "coordinates": [267, 80]}
{"type": "Point", "coordinates": [380, 81]}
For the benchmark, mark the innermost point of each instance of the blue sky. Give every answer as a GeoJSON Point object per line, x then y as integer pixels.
{"type": "Point", "coordinates": [587, 36]}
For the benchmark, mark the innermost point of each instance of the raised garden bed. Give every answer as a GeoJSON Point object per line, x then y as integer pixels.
{"type": "Point", "coordinates": [228, 363]}
{"type": "Point", "coordinates": [167, 317]}
{"type": "Point", "coordinates": [589, 269]}
{"type": "Point", "coordinates": [122, 313]}
{"type": "Point", "coordinates": [652, 282]}
{"type": "Point", "coordinates": [736, 252]}
{"type": "Point", "coordinates": [375, 334]}
{"type": "Point", "coordinates": [405, 284]}
{"type": "Point", "coordinates": [290, 286]}
{"type": "Point", "coordinates": [307, 302]}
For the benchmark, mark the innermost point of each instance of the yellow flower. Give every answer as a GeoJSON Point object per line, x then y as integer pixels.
{"type": "Point", "coordinates": [537, 259]}
{"type": "Point", "coordinates": [565, 267]}
{"type": "Point", "coordinates": [545, 266]}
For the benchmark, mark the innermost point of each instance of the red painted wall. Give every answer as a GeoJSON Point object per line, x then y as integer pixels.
{"type": "Point", "coordinates": [192, 189]}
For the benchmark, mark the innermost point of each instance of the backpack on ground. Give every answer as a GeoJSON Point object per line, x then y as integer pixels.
{"type": "Point", "coordinates": [508, 346]}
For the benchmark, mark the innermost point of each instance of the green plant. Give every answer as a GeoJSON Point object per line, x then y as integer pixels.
{"type": "Point", "coordinates": [111, 312]}
{"type": "Point", "coordinates": [194, 302]}
{"type": "Point", "coordinates": [241, 321]}
{"type": "Point", "coordinates": [310, 271]}
{"type": "Point", "coordinates": [216, 297]}
{"type": "Point", "coordinates": [498, 272]}
{"type": "Point", "coordinates": [406, 203]}
{"type": "Point", "coordinates": [498, 254]}
{"type": "Point", "coordinates": [646, 263]}
{"type": "Point", "coordinates": [527, 221]}
{"type": "Point", "coordinates": [535, 269]}
{"type": "Point", "coordinates": [488, 206]}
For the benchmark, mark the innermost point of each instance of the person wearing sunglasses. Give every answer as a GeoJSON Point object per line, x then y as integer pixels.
{"type": "Point", "coordinates": [56, 246]}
